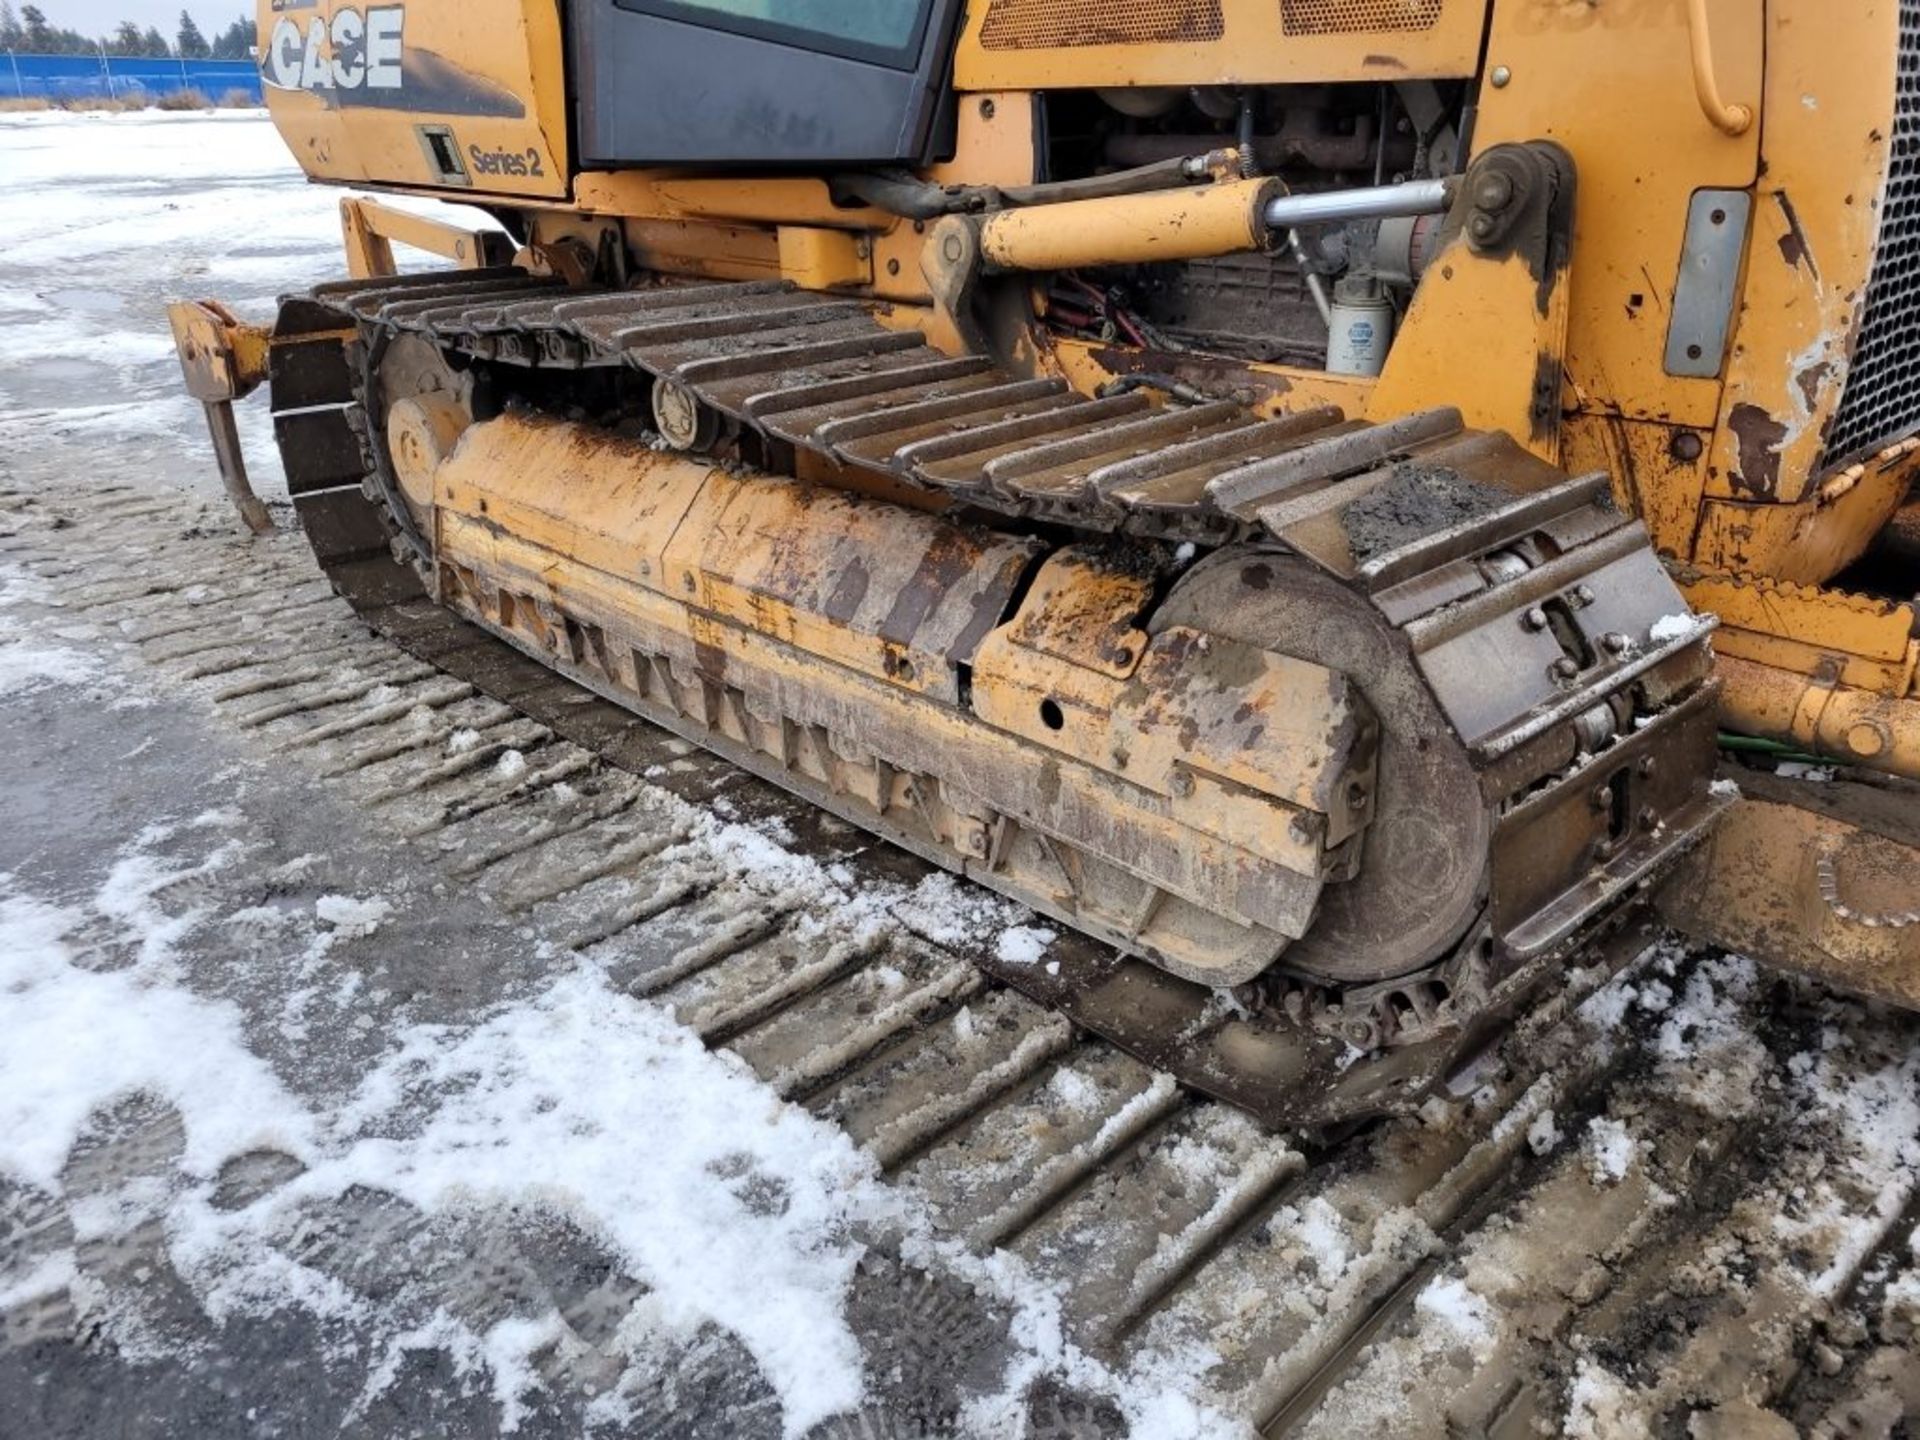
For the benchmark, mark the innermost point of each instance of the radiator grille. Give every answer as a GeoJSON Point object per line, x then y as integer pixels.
{"type": "Point", "coordinates": [1346, 17]}
{"type": "Point", "coordinates": [1052, 24]}
{"type": "Point", "coordinates": [1881, 403]}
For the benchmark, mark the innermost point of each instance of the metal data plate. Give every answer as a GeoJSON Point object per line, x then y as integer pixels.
{"type": "Point", "coordinates": [1709, 271]}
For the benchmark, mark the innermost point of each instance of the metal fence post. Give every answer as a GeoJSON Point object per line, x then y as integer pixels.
{"type": "Point", "coordinates": [19, 85]}
{"type": "Point", "coordinates": [106, 70]}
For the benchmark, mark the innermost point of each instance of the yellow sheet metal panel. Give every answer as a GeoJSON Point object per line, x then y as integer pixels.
{"type": "Point", "coordinates": [1614, 84]}
{"type": "Point", "coordinates": [1863, 625]}
{"type": "Point", "coordinates": [1488, 308]}
{"type": "Point", "coordinates": [1037, 44]}
{"type": "Point", "coordinates": [1831, 83]}
{"type": "Point", "coordinates": [465, 95]}
{"type": "Point", "coordinates": [1658, 471]}
{"type": "Point", "coordinates": [1809, 542]}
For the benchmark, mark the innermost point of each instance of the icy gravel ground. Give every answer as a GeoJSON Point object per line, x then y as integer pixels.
{"type": "Point", "coordinates": [246, 1052]}
{"type": "Point", "coordinates": [109, 217]}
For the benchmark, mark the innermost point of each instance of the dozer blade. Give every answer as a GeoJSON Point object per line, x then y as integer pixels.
{"type": "Point", "coordinates": [1338, 738]}
{"type": "Point", "coordinates": [1821, 877]}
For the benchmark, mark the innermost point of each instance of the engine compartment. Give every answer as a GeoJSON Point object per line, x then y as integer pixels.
{"type": "Point", "coordinates": [1332, 296]}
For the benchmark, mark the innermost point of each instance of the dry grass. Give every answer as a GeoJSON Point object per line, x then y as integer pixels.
{"type": "Point", "coordinates": [179, 100]}
{"type": "Point", "coordinates": [99, 102]}
{"type": "Point", "coordinates": [185, 100]}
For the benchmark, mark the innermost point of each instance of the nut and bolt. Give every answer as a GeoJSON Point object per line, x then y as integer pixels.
{"type": "Point", "coordinates": [1616, 643]}
{"type": "Point", "coordinates": [1565, 668]}
{"type": "Point", "coordinates": [1182, 784]}
{"type": "Point", "coordinates": [1535, 619]}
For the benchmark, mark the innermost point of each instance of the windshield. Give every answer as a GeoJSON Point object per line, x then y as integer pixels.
{"type": "Point", "coordinates": [886, 30]}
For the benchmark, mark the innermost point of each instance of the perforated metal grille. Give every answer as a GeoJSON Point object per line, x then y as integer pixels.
{"type": "Point", "coordinates": [1052, 24]}
{"type": "Point", "coordinates": [1345, 17]}
{"type": "Point", "coordinates": [1882, 399]}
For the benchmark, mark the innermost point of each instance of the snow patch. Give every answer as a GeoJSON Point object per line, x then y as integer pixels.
{"type": "Point", "coordinates": [1543, 1134]}
{"type": "Point", "coordinates": [1610, 1151]}
{"type": "Point", "coordinates": [351, 919]}
{"type": "Point", "coordinates": [26, 667]}
{"type": "Point", "coordinates": [1598, 1406]}
{"type": "Point", "coordinates": [1673, 627]}
{"type": "Point", "coordinates": [1801, 770]}
{"type": "Point", "coordinates": [1449, 1302]}
{"type": "Point", "coordinates": [78, 1040]}
{"type": "Point", "coordinates": [1025, 945]}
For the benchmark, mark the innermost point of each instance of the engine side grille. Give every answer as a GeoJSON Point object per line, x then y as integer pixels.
{"type": "Point", "coordinates": [1345, 17]}
{"type": "Point", "coordinates": [1881, 403]}
{"type": "Point", "coordinates": [1050, 24]}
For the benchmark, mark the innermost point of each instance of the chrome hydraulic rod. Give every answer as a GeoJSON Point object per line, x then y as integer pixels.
{"type": "Point", "coordinates": [1371, 202]}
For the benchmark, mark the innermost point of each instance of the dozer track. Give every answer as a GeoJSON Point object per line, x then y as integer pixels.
{"type": "Point", "coordinates": [1356, 734]}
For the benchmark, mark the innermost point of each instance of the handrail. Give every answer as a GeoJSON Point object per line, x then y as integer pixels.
{"type": "Point", "coordinates": [1728, 119]}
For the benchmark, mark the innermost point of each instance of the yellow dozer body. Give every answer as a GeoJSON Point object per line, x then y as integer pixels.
{"type": "Point", "coordinates": [1301, 491]}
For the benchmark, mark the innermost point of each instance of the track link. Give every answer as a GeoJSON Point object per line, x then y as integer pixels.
{"type": "Point", "coordinates": [1536, 615]}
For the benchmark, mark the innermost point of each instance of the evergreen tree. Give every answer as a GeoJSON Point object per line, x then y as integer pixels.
{"type": "Point", "coordinates": [127, 40]}
{"type": "Point", "coordinates": [13, 35]}
{"type": "Point", "coordinates": [155, 44]}
{"type": "Point", "coordinates": [193, 45]}
{"type": "Point", "coordinates": [39, 35]}
{"type": "Point", "coordinates": [236, 41]}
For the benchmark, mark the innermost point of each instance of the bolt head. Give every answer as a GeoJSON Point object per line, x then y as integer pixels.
{"type": "Point", "coordinates": [1616, 643]}
{"type": "Point", "coordinates": [1565, 668]}
{"type": "Point", "coordinates": [1493, 191]}
{"type": "Point", "coordinates": [1501, 77]}
{"type": "Point", "coordinates": [1535, 619]}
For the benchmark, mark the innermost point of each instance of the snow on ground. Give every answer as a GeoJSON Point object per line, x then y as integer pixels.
{"type": "Point", "coordinates": [577, 1100]}
{"type": "Point", "coordinates": [212, 207]}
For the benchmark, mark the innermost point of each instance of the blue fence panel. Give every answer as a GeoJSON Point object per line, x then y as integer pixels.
{"type": "Point", "coordinates": [87, 77]}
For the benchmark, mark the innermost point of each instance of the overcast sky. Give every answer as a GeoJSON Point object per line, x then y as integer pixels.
{"type": "Point", "coordinates": [100, 17]}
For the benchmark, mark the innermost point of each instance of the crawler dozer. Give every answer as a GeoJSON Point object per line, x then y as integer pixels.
{"type": "Point", "coordinates": [1337, 501]}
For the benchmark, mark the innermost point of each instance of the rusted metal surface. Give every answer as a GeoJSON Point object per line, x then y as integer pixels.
{"type": "Point", "coordinates": [1814, 877]}
{"type": "Point", "coordinates": [1332, 760]}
